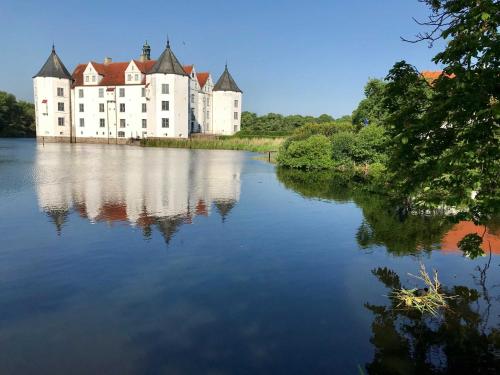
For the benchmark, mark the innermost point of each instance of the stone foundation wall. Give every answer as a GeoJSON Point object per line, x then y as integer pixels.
{"type": "Point", "coordinates": [42, 139]}
{"type": "Point", "coordinates": [112, 141]}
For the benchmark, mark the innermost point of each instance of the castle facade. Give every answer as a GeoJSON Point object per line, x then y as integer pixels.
{"type": "Point", "coordinates": [115, 102]}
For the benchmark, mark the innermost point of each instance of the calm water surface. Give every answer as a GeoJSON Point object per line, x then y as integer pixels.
{"type": "Point", "coordinates": [124, 260]}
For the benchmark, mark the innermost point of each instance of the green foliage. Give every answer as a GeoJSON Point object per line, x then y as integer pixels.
{"type": "Point", "coordinates": [370, 145]}
{"type": "Point", "coordinates": [371, 109]}
{"type": "Point", "coordinates": [471, 245]}
{"type": "Point", "coordinates": [276, 124]}
{"type": "Point", "coordinates": [17, 118]}
{"type": "Point", "coordinates": [326, 128]}
{"type": "Point", "coordinates": [314, 152]}
{"type": "Point", "coordinates": [447, 134]}
{"type": "Point", "coordinates": [343, 146]}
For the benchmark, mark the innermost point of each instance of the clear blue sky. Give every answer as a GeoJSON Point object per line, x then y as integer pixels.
{"type": "Point", "coordinates": [305, 57]}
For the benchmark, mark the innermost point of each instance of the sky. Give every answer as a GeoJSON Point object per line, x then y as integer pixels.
{"type": "Point", "coordinates": [290, 57]}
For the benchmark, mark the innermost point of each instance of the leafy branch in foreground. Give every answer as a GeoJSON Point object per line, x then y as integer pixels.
{"type": "Point", "coordinates": [446, 133]}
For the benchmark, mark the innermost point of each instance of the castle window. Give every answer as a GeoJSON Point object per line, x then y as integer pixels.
{"type": "Point", "coordinates": [208, 114]}
{"type": "Point", "coordinates": [164, 105]}
{"type": "Point", "coordinates": [235, 128]}
{"type": "Point", "coordinates": [101, 93]}
{"type": "Point", "coordinates": [121, 134]}
{"type": "Point", "coordinates": [235, 104]}
{"type": "Point", "coordinates": [93, 78]}
{"type": "Point", "coordinates": [60, 91]}
{"type": "Point", "coordinates": [60, 107]}
{"type": "Point", "coordinates": [208, 102]}
{"type": "Point", "coordinates": [236, 115]}
{"type": "Point", "coordinates": [86, 78]}
{"type": "Point", "coordinates": [144, 123]}
{"type": "Point", "coordinates": [144, 107]}
{"type": "Point", "coordinates": [164, 88]}
{"type": "Point", "coordinates": [82, 122]}
{"type": "Point", "coordinates": [122, 123]}
{"type": "Point", "coordinates": [81, 107]}
{"type": "Point", "coordinates": [101, 107]}
{"type": "Point", "coordinates": [60, 121]}
{"type": "Point", "coordinates": [136, 77]}
{"type": "Point", "coordinates": [122, 107]}
{"type": "Point", "coordinates": [129, 77]}
{"type": "Point", "coordinates": [143, 92]}
{"type": "Point", "coordinates": [102, 123]}
{"type": "Point", "coordinates": [192, 98]}
{"type": "Point", "coordinates": [122, 92]}
{"type": "Point", "coordinates": [164, 123]}
{"type": "Point", "coordinates": [80, 93]}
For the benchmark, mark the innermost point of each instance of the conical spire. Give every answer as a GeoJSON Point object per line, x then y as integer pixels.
{"type": "Point", "coordinates": [167, 63]}
{"type": "Point", "coordinates": [53, 67]}
{"type": "Point", "coordinates": [226, 82]}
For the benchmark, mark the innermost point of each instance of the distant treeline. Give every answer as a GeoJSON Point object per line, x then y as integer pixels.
{"type": "Point", "coordinates": [17, 117]}
{"type": "Point", "coordinates": [276, 125]}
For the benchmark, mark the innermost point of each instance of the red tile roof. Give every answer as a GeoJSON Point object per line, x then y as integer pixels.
{"type": "Point", "coordinates": [113, 74]}
{"type": "Point", "coordinates": [202, 78]}
{"type": "Point", "coordinates": [78, 75]}
{"type": "Point", "coordinates": [432, 75]}
{"type": "Point", "coordinates": [145, 66]}
{"type": "Point", "coordinates": [188, 69]}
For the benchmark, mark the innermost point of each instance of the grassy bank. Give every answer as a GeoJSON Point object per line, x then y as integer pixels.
{"type": "Point", "coordinates": [219, 143]}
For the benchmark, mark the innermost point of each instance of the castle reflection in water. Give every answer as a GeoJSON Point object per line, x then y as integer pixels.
{"type": "Point", "coordinates": [146, 188]}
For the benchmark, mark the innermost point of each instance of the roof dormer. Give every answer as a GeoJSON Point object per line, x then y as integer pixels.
{"type": "Point", "coordinates": [133, 74]}
{"type": "Point", "coordinates": [92, 74]}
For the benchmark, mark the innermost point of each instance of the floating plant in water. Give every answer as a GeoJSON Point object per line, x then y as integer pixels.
{"type": "Point", "coordinates": [428, 300]}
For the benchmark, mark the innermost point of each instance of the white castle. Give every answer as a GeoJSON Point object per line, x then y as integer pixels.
{"type": "Point", "coordinates": [114, 102]}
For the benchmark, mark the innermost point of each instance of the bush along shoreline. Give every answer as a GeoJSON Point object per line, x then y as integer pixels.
{"type": "Point", "coordinates": [357, 154]}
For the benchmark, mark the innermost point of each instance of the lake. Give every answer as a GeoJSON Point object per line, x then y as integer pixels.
{"type": "Point", "coordinates": [129, 260]}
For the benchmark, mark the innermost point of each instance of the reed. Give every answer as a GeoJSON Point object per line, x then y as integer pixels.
{"type": "Point", "coordinates": [430, 299]}
{"type": "Point", "coordinates": [218, 143]}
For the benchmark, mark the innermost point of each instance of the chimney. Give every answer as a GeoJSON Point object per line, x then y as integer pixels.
{"type": "Point", "coordinates": [107, 60]}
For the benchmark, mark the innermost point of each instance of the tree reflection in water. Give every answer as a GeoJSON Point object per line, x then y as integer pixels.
{"type": "Point", "coordinates": [384, 224]}
{"type": "Point", "coordinates": [458, 341]}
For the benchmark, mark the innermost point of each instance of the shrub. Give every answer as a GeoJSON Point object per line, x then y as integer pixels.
{"type": "Point", "coordinates": [369, 145]}
{"type": "Point", "coordinates": [343, 145]}
{"type": "Point", "coordinates": [313, 153]}
{"type": "Point", "coordinates": [327, 129]}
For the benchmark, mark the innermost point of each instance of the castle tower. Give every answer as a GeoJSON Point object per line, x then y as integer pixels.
{"type": "Point", "coordinates": [52, 89]}
{"type": "Point", "coordinates": [146, 52]}
{"type": "Point", "coordinates": [169, 97]}
{"type": "Point", "coordinates": [227, 105]}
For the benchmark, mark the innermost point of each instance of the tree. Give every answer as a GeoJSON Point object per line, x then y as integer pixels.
{"type": "Point", "coordinates": [370, 110]}
{"type": "Point", "coordinates": [446, 132]}
{"type": "Point", "coordinates": [17, 118]}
